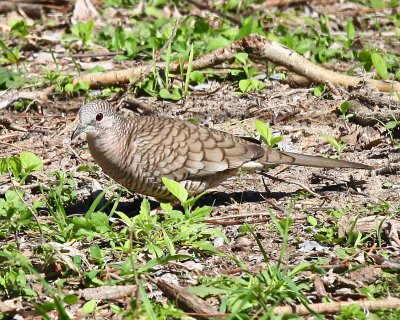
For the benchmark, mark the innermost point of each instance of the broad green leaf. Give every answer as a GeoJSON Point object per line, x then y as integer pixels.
{"type": "Point", "coordinates": [13, 197]}
{"type": "Point", "coordinates": [69, 87]}
{"type": "Point", "coordinates": [204, 245]}
{"type": "Point", "coordinates": [344, 106]}
{"type": "Point", "coordinates": [15, 166]}
{"type": "Point", "coordinates": [241, 57]}
{"type": "Point", "coordinates": [176, 189]}
{"type": "Point", "coordinates": [276, 140]}
{"type": "Point", "coordinates": [246, 29]}
{"type": "Point", "coordinates": [153, 11]}
{"type": "Point", "coordinates": [299, 268]}
{"type": "Point", "coordinates": [197, 76]}
{"type": "Point", "coordinates": [351, 31]}
{"type": "Point", "coordinates": [83, 85]}
{"type": "Point", "coordinates": [96, 252]}
{"type": "Point", "coordinates": [89, 306]}
{"type": "Point", "coordinates": [216, 43]}
{"type": "Point", "coordinates": [71, 299]}
{"type": "Point", "coordinates": [380, 64]}
{"type": "Point", "coordinates": [100, 220]}
{"type": "Point", "coordinates": [155, 250]}
{"type": "Point", "coordinates": [145, 207]}
{"type": "Point", "coordinates": [3, 165]}
{"type": "Point", "coordinates": [201, 26]}
{"type": "Point", "coordinates": [168, 243]}
{"type": "Point", "coordinates": [245, 85]}
{"type": "Point", "coordinates": [124, 218]}
{"type": "Point", "coordinates": [392, 124]}
{"type": "Point", "coordinates": [319, 90]}
{"type": "Point", "coordinates": [167, 207]}
{"type": "Point", "coordinates": [311, 220]}
{"type": "Point", "coordinates": [265, 131]}
{"type": "Point", "coordinates": [175, 95]}
{"type": "Point", "coordinates": [164, 93]}
{"type": "Point", "coordinates": [30, 161]}
{"type": "Point", "coordinates": [20, 28]}
{"type": "Point", "coordinates": [377, 4]}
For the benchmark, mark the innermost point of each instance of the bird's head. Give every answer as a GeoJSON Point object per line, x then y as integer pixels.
{"type": "Point", "coordinates": [95, 118]}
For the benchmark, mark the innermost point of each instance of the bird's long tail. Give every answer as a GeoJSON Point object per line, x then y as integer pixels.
{"type": "Point", "coordinates": [282, 157]}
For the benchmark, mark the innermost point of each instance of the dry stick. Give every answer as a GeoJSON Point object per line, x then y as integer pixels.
{"type": "Point", "coordinates": [304, 187]}
{"type": "Point", "coordinates": [256, 46]}
{"type": "Point", "coordinates": [138, 72]}
{"type": "Point", "coordinates": [185, 299]}
{"type": "Point", "coordinates": [9, 136]}
{"type": "Point", "coordinates": [92, 55]}
{"type": "Point", "coordinates": [235, 222]}
{"type": "Point", "coordinates": [281, 3]}
{"type": "Point", "coordinates": [10, 96]}
{"type": "Point", "coordinates": [239, 216]}
{"type": "Point", "coordinates": [259, 47]}
{"type": "Point", "coordinates": [205, 6]}
{"type": "Point", "coordinates": [15, 146]}
{"type": "Point", "coordinates": [335, 307]}
{"type": "Point", "coordinates": [4, 121]}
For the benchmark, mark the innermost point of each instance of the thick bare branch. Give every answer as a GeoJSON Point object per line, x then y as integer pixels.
{"type": "Point", "coordinates": [257, 47]}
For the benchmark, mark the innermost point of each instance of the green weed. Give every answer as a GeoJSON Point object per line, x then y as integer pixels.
{"type": "Point", "coordinates": [338, 146]}
{"type": "Point", "coordinates": [267, 135]}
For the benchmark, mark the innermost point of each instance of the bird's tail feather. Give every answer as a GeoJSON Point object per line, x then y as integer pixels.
{"type": "Point", "coordinates": [282, 157]}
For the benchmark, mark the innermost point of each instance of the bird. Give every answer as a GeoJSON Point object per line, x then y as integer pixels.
{"type": "Point", "coordinates": [139, 151]}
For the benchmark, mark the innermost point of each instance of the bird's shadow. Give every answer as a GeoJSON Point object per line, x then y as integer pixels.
{"type": "Point", "coordinates": [215, 199]}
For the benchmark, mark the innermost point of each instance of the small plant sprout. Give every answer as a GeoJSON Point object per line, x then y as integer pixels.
{"type": "Point", "coordinates": [249, 83]}
{"type": "Point", "coordinates": [83, 31]}
{"type": "Point", "coordinates": [338, 146]}
{"type": "Point", "coordinates": [266, 134]}
{"type": "Point", "coordinates": [344, 108]}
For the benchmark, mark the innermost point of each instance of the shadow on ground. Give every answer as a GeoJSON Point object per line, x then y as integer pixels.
{"type": "Point", "coordinates": [216, 199]}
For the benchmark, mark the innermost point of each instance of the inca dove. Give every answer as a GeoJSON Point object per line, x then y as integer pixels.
{"type": "Point", "coordinates": [138, 152]}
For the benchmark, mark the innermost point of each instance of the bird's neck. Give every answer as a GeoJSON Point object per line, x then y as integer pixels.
{"type": "Point", "coordinates": [110, 146]}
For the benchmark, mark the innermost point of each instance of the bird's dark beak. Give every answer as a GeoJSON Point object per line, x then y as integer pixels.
{"type": "Point", "coordinates": [79, 129]}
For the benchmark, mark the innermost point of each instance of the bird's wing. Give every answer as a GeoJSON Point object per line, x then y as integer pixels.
{"type": "Point", "coordinates": [185, 151]}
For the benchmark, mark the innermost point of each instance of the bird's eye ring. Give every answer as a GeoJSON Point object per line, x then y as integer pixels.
{"type": "Point", "coordinates": [99, 116]}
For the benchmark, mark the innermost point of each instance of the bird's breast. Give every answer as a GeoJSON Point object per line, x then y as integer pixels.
{"type": "Point", "coordinates": [125, 164]}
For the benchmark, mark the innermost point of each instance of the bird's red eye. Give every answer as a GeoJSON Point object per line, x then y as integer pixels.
{"type": "Point", "coordinates": [99, 117]}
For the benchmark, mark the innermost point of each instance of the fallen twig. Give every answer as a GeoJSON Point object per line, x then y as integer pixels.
{"type": "Point", "coordinates": [10, 96]}
{"type": "Point", "coordinates": [7, 123]}
{"type": "Point", "coordinates": [258, 48]}
{"type": "Point", "coordinates": [262, 48]}
{"type": "Point", "coordinates": [138, 72]}
{"type": "Point", "coordinates": [186, 300]}
{"type": "Point", "coordinates": [204, 6]}
{"type": "Point", "coordinates": [304, 187]}
{"type": "Point", "coordinates": [335, 307]}
{"type": "Point", "coordinates": [235, 222]}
